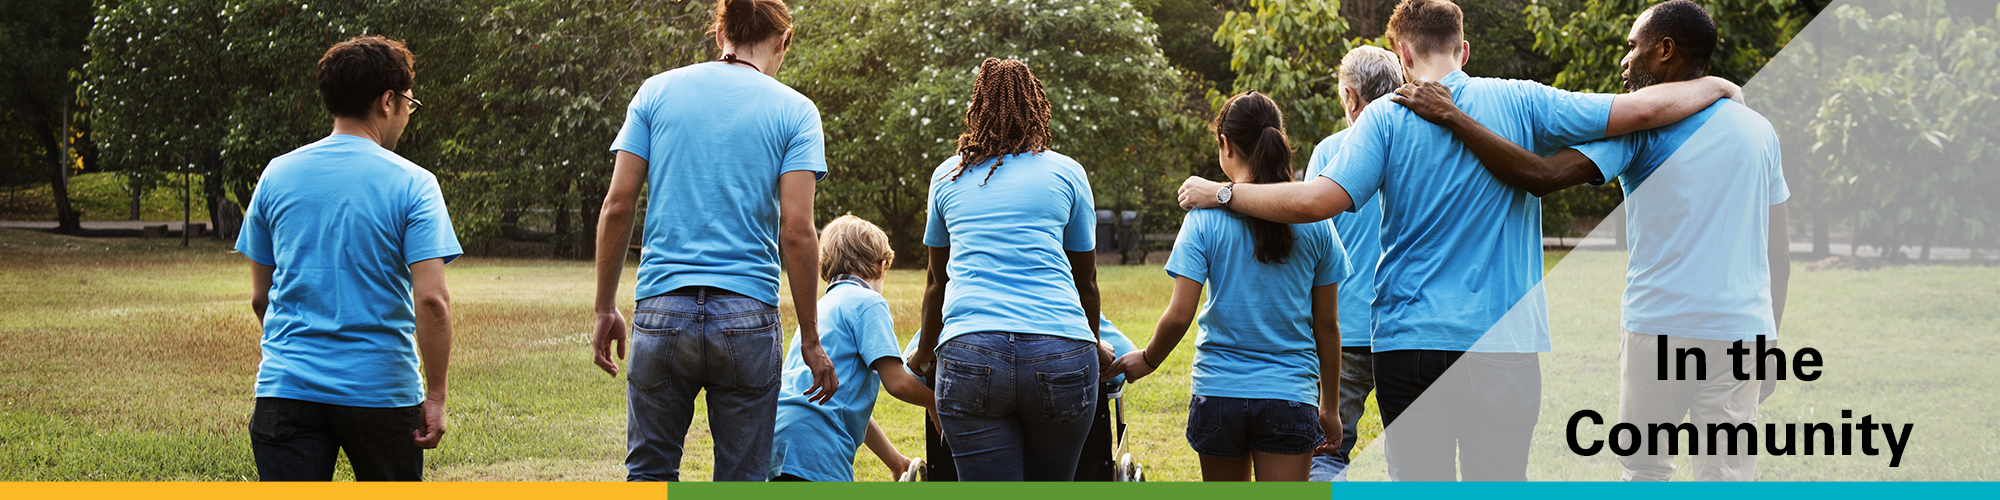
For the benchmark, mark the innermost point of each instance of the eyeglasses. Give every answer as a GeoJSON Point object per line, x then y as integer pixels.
{"type": "Point", "coordinates": [414, 103]}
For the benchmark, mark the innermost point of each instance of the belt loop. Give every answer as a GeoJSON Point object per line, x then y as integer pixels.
{"type": "Point", "coordinates": [700, 295]}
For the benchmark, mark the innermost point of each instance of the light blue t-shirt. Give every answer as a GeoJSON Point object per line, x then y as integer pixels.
{"type": "Point", "coordinates": [817, 441]}
{"type": "Point", "coordinates": [1107, 332]}
{"type": "Point", "coordinates": [1698, 195]}
{"type": "Point", "coordinates": [342, 220]}
{"type": "Point", "coordinates": [1256, 337]}
{"type": "Point", "coordinates": [716, 137]}
{"type": "Point", "coordinates": [1460, 248]}
{"type": "Point", "coordinates": [1008, 270]}
{"type": "Point", "coordinates": [1361, 233]}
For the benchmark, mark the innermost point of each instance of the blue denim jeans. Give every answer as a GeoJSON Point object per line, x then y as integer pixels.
{"type": "Point", "coordinates": [724, 343]}
{"type": "Point", "coordinates": [1016, 407]}
{"type": "Point", "coordinates": [1357, 379]}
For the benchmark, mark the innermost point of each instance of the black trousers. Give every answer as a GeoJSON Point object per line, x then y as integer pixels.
{"type": "Point", "coordinates": [297, 440]}
{"type": "Point", "coordinates": [1447, 413]}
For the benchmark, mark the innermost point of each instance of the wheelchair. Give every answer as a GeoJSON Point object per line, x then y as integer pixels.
{"type": "Point", "coordinates": [1106, 454]}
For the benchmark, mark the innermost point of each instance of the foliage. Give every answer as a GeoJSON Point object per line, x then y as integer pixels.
{"type": "Point", "coordinates": [1592, 38]}
{"type": "Point", "coordinates": [1901, 130]}
{"type": "Point", "coordinates": [1290, 50]}
{"type": "Point", "coordinates": [43, 44]}
{"type": "Point", "coordinates": [892, 80]}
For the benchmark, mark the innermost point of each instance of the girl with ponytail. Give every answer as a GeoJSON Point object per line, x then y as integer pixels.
{"type": "Point", "coordinates": [1267, 358]}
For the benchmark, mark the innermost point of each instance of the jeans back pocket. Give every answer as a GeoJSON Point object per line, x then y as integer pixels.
{"type": "Point", "coordinates": [754, 358]}
{"type": "Point", "coordinates": [1066, 396]}
{"type": "Point", "coordinates": [656, 339]}
{"type": "Point", "coordinates": [964, 389]}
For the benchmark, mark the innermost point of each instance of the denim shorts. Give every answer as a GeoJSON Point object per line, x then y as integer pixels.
{"type": "Point", "coordinates": [1231, 427]}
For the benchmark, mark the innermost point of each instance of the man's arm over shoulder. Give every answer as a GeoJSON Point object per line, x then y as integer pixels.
{"type": "Point", "coordinates": [1506, 160]}
{"type": "Point", "coordinates": [1663, 104]}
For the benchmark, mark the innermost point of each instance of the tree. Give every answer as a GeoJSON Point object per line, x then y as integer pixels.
{"type": "Point", "coordinates": [220, 87]}
{"type": "Point", "coordinates": [44, 42]}
{"type": "Point", "coordinates": [893, 78]}
{"type": "Point", "coordinates": [547, 101]}
{"type": "Point", "coordinates": [1290, 50]}
{"type": "Point", "coordinates": [1899, 103]}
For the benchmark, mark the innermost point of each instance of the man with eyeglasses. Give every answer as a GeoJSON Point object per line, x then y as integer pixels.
{"type": "Point", "coordinates": [348, 243]}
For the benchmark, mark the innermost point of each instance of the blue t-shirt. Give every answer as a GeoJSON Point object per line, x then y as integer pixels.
{"type": "Point", "coordinates": [716, 137]}
{"type": "Point", "coordinates": [1460, 248]}
{"type": "Point", "coordinates": [1256, 337]}
{"type": "Point", "coordinates": [817, 441]}
{"type": "Point", "coordinates": [1008, 270]}
{"type": "Point", "coordinates": [342, 220]}
{"type": "Point", "coordinates": [1698, 195]}
{"type": "Point", "coordinates": [1361, 233]}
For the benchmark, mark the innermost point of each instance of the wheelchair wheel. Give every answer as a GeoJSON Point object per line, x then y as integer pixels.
{"type": "Point", "coordinates": [919, 471]}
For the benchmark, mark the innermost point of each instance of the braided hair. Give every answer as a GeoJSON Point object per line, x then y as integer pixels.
{"type": "Point", "coordinates": [1256, 128]}
{"type": "Point", "coordinates": [1009, 116]}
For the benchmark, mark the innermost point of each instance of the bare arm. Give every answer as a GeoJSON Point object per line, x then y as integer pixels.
{"type": "Point", "coordinates": [1326, 343]}
{"type": "Point", "coordinates": [1508, 161]}
{"type": "Point", "coordinates": [1781, 260]}
{"type": "Point", "coordinates": [260, 290]}
{"type": "Point", "coordinates": [800, 242]}
{"type": "Point", "coordinates": [1173, 326]}
{"type": "Point", "coordinates": [901, 384]}
{"type": "Point", "coordinates": [1661, 105]}
{"type": "Point", "coordinates": [1085, 269]}
{"type": "Point", "coordinates": [879, 444]}
{"type": "Point", "coordinates": [1314, 200]}
{"type": "Point", "coordinates": [434, 332]}
{"type": "Point", "coordinates": [614, 233]}
{"type": "Point", "coordinates": [924, 361]}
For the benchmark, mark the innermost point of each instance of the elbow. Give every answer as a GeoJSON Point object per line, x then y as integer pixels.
{"type": "Point", "coordinates": [434, 303]}
{"type": "Point", "coordinates": [799, 236]}
{"type": "Point", "coordinates": [618, 209]}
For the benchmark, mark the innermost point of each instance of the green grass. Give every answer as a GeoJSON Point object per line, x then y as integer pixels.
{"type": "Point", "coordinates": [135, 359]}
{"type": "Point", "coordinates": [101, 197]}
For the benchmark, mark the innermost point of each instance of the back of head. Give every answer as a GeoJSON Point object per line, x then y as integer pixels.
{"type": "Point", "coordinates": [749, 22]}
{"type": "Point", "coordinates": [1427, 26]}
{"type": "Point", "coordinates": [1371, 71]}
{"type": "Point", "coordinates": [1691, 28]}
{"type": "Point", "coordinates": [353, 73]}
{"type": "Point", "coordinates": [1256, 129]}
{"type": "Point", "coordinates": [1009, 116]}
{"type": "Point", "coordinates": [853, 246]}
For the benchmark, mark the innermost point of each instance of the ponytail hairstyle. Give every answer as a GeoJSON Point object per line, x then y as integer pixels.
{"type": "Point", "coordinates": [1009, 116]}
{"type": "Point", "coordinates": [750, 22]}
{"type": "Point", "coordinates": [1255, 127]}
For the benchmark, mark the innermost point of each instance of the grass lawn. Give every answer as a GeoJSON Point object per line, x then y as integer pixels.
{"type": "Point", "coordinates": [134, 360]}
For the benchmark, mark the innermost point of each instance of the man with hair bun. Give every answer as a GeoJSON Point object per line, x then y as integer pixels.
{"type": "Point", "coordinates": [1459, 311]}
{"type": "Point", "coordinates": [347, 243]}
{"type": "Point", "coordinates": [731, 156]}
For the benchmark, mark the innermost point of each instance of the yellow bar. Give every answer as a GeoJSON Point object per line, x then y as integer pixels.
{"type": "Point", "coordinates": [331, 491]}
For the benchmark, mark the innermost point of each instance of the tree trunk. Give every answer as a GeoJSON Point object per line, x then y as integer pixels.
{"type": "Point", "coordinates": [132, 184]}
{"type": "Point", "coordinates": [67, 220]}
{"type": "Point", "coordinates": [565, 240]}
{"type": "Point", "coordinates": [211, 188]}
{"type": "Point", "coordinates": [591, 202]}
{"type": "Point", "coordinates": [1823, 235]}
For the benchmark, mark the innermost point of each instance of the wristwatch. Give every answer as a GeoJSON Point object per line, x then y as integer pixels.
{"type": "Point", "coordinates": [1222, 195]}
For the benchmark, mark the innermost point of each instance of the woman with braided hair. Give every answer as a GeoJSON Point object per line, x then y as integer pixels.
{"type": "Point", "coordinates": [1010, 303]}
{"type": "Point", "coordinates": [1267, 360]}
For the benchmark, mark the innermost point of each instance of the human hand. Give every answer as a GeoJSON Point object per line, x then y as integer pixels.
{"type": "Point", "coordinates": [611, 329]}
{"type": "Point", "coordinates": [825, 382]}
{"type": "Point", "coordinates": [1197, 192]}
{"type": "Point", "coordinates": [1429, 100]}
{"type": "Point", "coordinates": [1133, 366]}
{"type": "Point", "coordinates": [1329, 422]}
{"type": "Point", "coordinates": [432, 431]}
{"type": "Point", "coordinates": [922, 363]}
{"type": "Point", "coordinates": [1105, 356]}
{"type": "Point", "coordinates": [1729, 89]}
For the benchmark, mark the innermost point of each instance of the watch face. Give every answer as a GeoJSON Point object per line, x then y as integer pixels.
{"type": "Point", "coordinates": [1222, 195]}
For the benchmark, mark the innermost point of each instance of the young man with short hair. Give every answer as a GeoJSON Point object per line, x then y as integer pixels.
{"type": "Point", "coordinates": [1710, 258]}
{"type": "Point", "coordinates": [348, 243]}
{"type": "Point", "coordinates": [1460, 249]}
